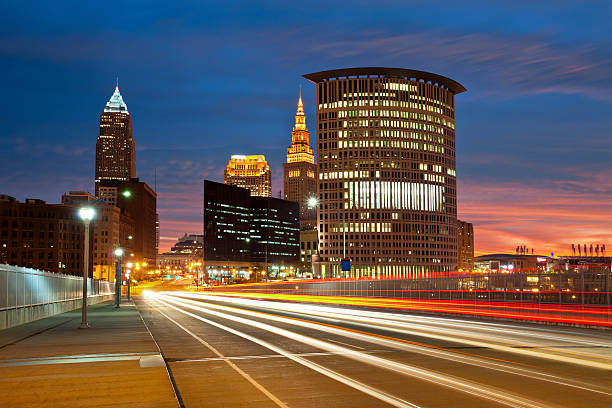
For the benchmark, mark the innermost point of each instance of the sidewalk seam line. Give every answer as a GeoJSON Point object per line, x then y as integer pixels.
{"type": "Point", "coordinates": [177, 394]}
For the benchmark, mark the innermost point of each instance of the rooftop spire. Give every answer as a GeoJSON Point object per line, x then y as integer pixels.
{"type": "Point", "coordinates": [116, 103]}
{"type": "Point", "coordinates": [300, 118]}
{"type": "Point", "coordinates": [300, 150]}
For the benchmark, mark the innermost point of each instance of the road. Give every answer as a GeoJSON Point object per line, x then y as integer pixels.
{"type": "Point", "coordinates": [236, 352]}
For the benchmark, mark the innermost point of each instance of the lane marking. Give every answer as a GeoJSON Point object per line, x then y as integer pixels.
{"type": "Point", "coordinates": [366, 389]}
{"type": "Point", "coordinates": [458, 384]}
{"type": "Point", "coordinates": [244, 375]}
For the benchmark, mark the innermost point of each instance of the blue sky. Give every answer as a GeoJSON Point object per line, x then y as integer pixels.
{"type": "Point", "coordinates": [204, 80]}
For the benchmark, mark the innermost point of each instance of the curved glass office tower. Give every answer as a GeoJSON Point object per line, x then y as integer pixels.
{"type": "Point", "coordinates": [386, 171]}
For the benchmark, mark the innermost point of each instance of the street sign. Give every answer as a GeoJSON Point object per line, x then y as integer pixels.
{"type": "Point", "coordinates": [345, 265]}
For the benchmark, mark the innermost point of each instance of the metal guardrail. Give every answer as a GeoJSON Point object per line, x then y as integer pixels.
{"type": "Point", "coordinates": [24, 287]}
{"type": "Point", "coordinates": [583, 287]}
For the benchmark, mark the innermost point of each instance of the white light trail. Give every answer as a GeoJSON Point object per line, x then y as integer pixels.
{"type": "Point", "coordinates": [378, 394]}
{"type": "Point", "coordinates": [469, 387]}
{"type": "Point", "coordinates": [452, 335]}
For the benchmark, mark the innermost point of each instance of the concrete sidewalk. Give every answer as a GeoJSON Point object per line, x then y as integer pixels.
{"type": "Point", "coordinates": [114, 363]}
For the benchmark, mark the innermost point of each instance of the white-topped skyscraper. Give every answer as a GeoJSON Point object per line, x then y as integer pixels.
{"type": "Point", "coordinates": [115, 148]}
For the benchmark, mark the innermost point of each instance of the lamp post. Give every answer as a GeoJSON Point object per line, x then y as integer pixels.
{"type": "Point", "coordinates": [128, 278]}
{"type": "Point", "coordinates": [86, 214]}
{"type": "Point", "coordinates": [118, 255]}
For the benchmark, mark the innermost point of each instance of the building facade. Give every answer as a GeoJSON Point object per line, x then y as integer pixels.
{"type": "Point", "coordinates": [186, 253]}
{"type": "Point", "coordinates": [227, 216]}
{"type": "Point", "coordinates": [309, 247]}
{"type": "Point", "coordinates": [465, 245]}
{"type": "Point", "coordinates": [274, 231]}
{"type": "Point", "coordinates": [42, 236]}
{"type": "Point", "coordinates": [111, 228]}
{"type": "Point", "coordinates": [300, 171]}
{"type": "Point", "coordinates": [511, 262]}
{"type": "Point", "coordinates": [244, 232]}
{"type": "Point", "coordinates": [386, 171]}
{"type": "Point", "coordinates": [137, 201]}
{"type": "Point", "coordinates": [115, 149]}
{"type": "Point", "coordinates": [250, 172]}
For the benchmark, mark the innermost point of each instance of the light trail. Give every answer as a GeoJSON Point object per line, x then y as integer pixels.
{"type": "Point", "coordinates": [469, 387]}
{"type": "Point", "coordinates": [508, 310]}
{"type": "Point", "coordinates": [366, 389]}
{"type": "Point", "coordinates": [493, 364]}
{"type": "Point", "coordinates": [451, 335]}
{"type": "Point", "coordinates": [234, 367]}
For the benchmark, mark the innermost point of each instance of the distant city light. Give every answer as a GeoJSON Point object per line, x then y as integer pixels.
{"type": "Point", "coordinates": [312, 202]}
{"type": "Point", "coordinates": [118, 252]}
{"type": "Point", "coordinates": [127, 193]}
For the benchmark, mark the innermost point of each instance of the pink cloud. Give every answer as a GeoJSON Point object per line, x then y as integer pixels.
{"type": "Point", "coordinates": [548, 217]}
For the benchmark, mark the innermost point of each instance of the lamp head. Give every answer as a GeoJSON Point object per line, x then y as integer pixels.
{"type": "Point", "coordinates": [87, 213]}
{"type": "Point", "coordinates": [118, 252]}
{"type": "Point", "coordinates": [312, 202]}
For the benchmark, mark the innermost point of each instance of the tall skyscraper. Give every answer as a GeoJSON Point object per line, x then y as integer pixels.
{"type": "Point", "coordinates": [386, 171]}
{"type": "Point", "coordinates": [300, 171]}
{"type": "Point", "coordinates": [115, 150]}
{"type": "Point", "coordinates": [251, 172]}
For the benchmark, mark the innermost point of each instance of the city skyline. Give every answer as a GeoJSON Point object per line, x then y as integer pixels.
{"type": "Point", "coordinates": [532, 133]}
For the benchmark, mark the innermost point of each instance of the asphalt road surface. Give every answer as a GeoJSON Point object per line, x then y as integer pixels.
{"type": "Point", "coordinates": [237, 352]}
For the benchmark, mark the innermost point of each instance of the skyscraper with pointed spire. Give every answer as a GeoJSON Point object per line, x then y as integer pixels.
{"type": "Point", "coordinates": [300, 171]}
{"type": "Point", "coordinates": [115, 149]}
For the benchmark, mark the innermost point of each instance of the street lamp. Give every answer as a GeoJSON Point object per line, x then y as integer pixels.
{"type": "Point", "coordinates": [86, 214]}
{"type": "Point", "coordinates": [312, 202]}
{"type": "Point", "coordinates": [118, 255]}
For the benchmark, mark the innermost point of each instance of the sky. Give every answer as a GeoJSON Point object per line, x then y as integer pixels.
{"type": "Point", "coordinates": [204, 80]}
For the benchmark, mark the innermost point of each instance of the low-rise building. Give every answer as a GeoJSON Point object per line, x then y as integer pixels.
{"type": "Point", "coordinates": [138, 201]}
{"type": "Point", "coordinates": [309, 248]}
{"type": "Point", "coordinates": [42, 236]}
{"type": "Point", "coordinates": [186, 253]}
{"type": "Point", "coordinates": [511, 262]}
{"type": "Point", "coordinates": [465, 245]}
{"type": "Point", "coordinates": [111, 228]}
